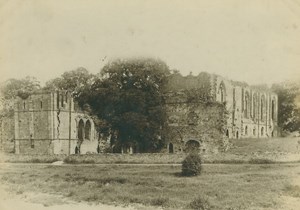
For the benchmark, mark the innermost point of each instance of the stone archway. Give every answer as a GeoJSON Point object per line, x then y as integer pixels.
{"type": "Point", "coordinates": [87, 130]}
{"type": "Point", "coordinates": [81, 130]}
{"type": "Point", "coordinates": [192, 146]}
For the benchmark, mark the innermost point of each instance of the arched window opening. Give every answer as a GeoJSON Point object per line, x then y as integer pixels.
{"type": "Point", "coordinates": [273, 110]}
{"type": "Point", "coordinates": [76, 150]}
{"type": "Point", "coordinates": [62, 100]}
{"type": "Point", "coordinates": [88, 130]}
{"type": "Point", "coordinates": [57, 99]}
{"type": "Point", "coordinates": [262, 108]}
{"type": "Point", "coordinates": [247, 104]}
{"type": "Point", "coordinates": [246, 130]}
{"type": "Point", "coordinates": [171, 148]}
{"type": "Point", "coordinates": [222, 92]}
{"type": "Point", "coordinates": [80, 130]}
{"type": "Point", "coordinates": [24, 105]}
{"type": "Point", "coordinates": [41, 104]}
{"type": "Point", "coordinates": [227, 133]}
{"type": "Point", "coordinates": [254, 132]}
{"type": "Point", "coordinates": [192, 146]}
{"type": "Point", "coordinates": [262, 131]}
{"type": "Point", "coordinates": [31, 141]}
{"type": "Point", "coordinates": [237, 135]}
{"type": "Point", "coordinates": [66, 97]}
{"type": "Point", "coordinates": [254, 105]}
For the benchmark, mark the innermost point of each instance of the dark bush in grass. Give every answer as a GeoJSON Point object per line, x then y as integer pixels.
{"type": "Point", "coordinates": [200, 204]}
{"type": "Point", "coordinates": [70, 160]}
{"type": "Point", "coordinates": [191, 165]}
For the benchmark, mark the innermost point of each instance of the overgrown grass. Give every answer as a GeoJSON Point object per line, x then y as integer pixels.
{"type": "Point", "coordinates": [218, 186]}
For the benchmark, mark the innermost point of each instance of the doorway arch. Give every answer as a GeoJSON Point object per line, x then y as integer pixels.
{"type": "Point", "coordinates": [192, 146]}
{"type": "Point", "coordinates": [81, 130]}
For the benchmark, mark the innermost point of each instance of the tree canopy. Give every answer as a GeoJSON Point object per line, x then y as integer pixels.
{"type": "Point", "coordinates": [19, 87]}
{"type": "Point", "coordinates": [288, 111]}
{"type": "Point", "coordinates": [72, 81]}
{"type": "Point", "coordinates": [126, 96]}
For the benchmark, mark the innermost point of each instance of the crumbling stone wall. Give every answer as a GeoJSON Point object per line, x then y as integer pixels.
{"type": "Point", "coordinates": [47, 123]}
{"type": "Point", "coordinates": [7, 134]}
{"type": "Point", "coordinates": [196, 120]}
{"type": "Point", "coordinates": [252, 111]}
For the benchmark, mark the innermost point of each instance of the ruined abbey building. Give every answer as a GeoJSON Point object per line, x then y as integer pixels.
{"type": "Point", "coordinates": [203, 113]}
{"type": "Point", "coordinates": [196, 117]}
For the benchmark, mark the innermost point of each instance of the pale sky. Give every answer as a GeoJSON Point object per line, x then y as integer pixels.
{"type": "Point", "coordinates": [256, 41]}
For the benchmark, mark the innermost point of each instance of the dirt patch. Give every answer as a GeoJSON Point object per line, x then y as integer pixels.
{"type": "Point", "coordinates": [291, 198]}
{"type": "Point", "coordinates": [43, 201]}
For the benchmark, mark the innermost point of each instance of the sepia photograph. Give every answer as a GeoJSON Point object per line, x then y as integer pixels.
{"type": "Point", "coordinates": [149, 105]}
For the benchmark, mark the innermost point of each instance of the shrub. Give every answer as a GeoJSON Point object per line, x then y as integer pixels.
{"type": "Point", "coordinates": [191, 165]}
{"type": "Point", "coordinates": [200, 204]}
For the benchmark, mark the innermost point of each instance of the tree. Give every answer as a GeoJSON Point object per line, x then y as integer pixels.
{"type": "Point", "coordinates": [19, 87]}
{"type": "Point", "coordinates": [288, 111]}
{"type": "Point", "coordinates": [72, 81]}
{"type": "Point", "coordinates": [127, 96]}
{"type": "Point", "coordinates": [13, 88]}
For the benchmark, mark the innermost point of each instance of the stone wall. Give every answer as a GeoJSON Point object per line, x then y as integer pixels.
{"type": "Point", "coordinates": [252, 110]}
{"type": "Point", "coordinates": [48, 123]}
{"type": "Point", "coordinates": [7, 134]}
{"type": "Point", "coordinates": [194, 122]}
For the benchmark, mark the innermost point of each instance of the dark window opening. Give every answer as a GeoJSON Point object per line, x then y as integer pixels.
{"type": "Point", "coordinates": [31, 141]}
{"type": "Point", "coordinates": [273, 109]}
{"type": "Point", "coordinates": [88, 130]}
{"type": "Point", "coordinates": [57, 100]}
{"type": "Point", "coordinates": [171, 148]}
{"type": "Point", "coordinates": [41, 104]}
{"type": "Point", "coordinates": [62, 100]}
{"type": "Point", "coordinates": [81, 130]}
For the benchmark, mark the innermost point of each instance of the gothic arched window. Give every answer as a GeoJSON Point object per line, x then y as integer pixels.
{"type": "Point", "coordinates": [222, 92]}
{"type": "Point", "coordinates": [247, 105]}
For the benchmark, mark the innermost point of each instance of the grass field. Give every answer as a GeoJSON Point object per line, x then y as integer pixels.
{"type": "Point", "coordinates": [228, 187]}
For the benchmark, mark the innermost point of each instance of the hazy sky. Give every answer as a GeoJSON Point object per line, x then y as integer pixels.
{"type": "Point", "coordinates": [256, 41]}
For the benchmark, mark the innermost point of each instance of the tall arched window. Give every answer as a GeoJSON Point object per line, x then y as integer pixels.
{"type": "Point", "coordinates": [80, 129]}
{"type": "Point", "coordinates": [222, 92]}
{"type": "Point", "coordinates": [227, 133]}
{"type": "Point", "coordinates": [254, 105]}
{"type": "Point", "coordinates": [246, 130]}
{"type": "Point", "coordinates": [171, 148]}
{"type": "Point", "coordinates": [273, 109]}
{"type": "Point", "coordinates": [247, 105]}
{"type": "Point", "coordinates": [87, 130]}
{"type": "Point", "coordinates": [262, 131]}
{"type": "Point", "coordinates": [262, 107]}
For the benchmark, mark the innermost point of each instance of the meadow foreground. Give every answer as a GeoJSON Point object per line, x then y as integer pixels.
{"type": "Point", "coordinates": [220, 186]}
